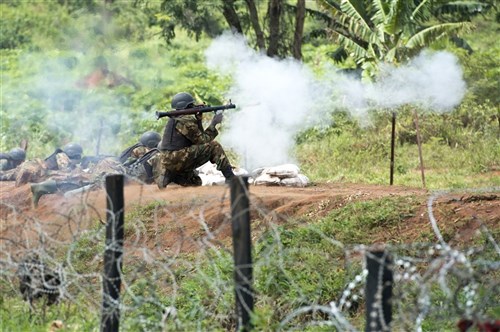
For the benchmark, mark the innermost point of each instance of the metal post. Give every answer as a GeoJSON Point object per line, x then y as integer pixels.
{"type": "Point", "coordinates": [242, 245]}
{"type": "Point", "coordinates": [393, 139]}
{"type": "Point", "coordinates": [378, 291]}
{"type": "Point", "coordinates": [113, 254]}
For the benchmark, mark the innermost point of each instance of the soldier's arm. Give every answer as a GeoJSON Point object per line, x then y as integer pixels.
{"type": "Point", "coordinates": [188, 126]}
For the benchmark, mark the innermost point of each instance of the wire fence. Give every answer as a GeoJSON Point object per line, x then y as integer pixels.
{"type": "Point", "coordinates": [59, 273]}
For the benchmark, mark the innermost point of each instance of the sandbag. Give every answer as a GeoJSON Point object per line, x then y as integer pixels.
{"type": "Point", "coordinates": [299, 181]}
{"type": "Point", "coordinates": [283, 171]}
{"type": "Point", "coordinates": [266, 179]}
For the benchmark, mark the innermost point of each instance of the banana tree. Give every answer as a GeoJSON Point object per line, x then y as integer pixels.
{"type": "Point", "coordinates": [385, 31]}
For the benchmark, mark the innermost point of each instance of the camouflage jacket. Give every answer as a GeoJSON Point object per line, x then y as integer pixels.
{"type": "Point", "coordinates": [184, 131]}
{"type": "Point", "coordinates": [192, 129]}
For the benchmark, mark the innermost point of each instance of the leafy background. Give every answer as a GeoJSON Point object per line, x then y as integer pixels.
{"type": "Point", "coordinates": [47, 47]}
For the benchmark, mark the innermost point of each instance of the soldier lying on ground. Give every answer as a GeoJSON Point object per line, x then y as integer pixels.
{"type": "Point", "coordinates": [36, 170]}
{"type": "Point", "coordinates": [33, 170]}
{"type": "Point", "coordinates": [92, 177]}
{"type": "Point", "coordinates": [149, 140]}
{"type": "Point", "coordinates": [186, 146]}
{"type": "Point", "coordinates": [139, 159]}
{"type": "Point", "coordinates": [139, 169]}
{"type": "Point", "coordinates": [12, 159]}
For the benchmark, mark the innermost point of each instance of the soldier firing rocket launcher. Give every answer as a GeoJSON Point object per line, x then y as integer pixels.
{"type": "Point", "coordinates": [195, 110]}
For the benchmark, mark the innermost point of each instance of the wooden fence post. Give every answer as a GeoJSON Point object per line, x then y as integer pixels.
{"type": "Point", "coordinates": [242, 245]}
{"type": "Point", "coordinates": [393, 140]}
{"type": "Point", "coordinates": [378, 291]}
{"type": "Point", "coordinates": [419, 144]}
{"type": "Point", "coordinates": [113, 254]}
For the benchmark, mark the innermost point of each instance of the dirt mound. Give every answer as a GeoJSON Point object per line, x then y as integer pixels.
{"type": "Point", "coordinates": [179, 217]}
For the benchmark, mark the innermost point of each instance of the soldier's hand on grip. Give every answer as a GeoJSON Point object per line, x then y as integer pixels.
{"type": "Point", "coordinates": [217, 118]}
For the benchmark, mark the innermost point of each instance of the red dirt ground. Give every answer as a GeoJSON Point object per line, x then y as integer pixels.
{"type": "Point", "coordinates": [189, 212]}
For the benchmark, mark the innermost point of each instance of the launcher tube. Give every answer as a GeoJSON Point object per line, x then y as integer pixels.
{"type": "Point", "coordinates": [194, 110]}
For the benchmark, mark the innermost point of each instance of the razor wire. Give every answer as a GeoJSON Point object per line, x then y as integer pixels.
{"type": "Point", "coordinates": [185, 283]}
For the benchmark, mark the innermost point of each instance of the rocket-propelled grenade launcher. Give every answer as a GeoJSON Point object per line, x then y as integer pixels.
{"type": "Point", "coordinates": [195, 110]}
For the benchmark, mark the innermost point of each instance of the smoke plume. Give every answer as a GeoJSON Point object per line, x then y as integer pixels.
{"type": "Point", "coordinates": [276, 99]}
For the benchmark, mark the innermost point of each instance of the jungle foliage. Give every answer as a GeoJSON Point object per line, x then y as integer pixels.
{"type": "Point", "coordinates": [95, 72]}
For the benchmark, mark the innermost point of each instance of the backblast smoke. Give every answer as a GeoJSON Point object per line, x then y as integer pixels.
{"type": "Point", "coordinates": [284, 97]}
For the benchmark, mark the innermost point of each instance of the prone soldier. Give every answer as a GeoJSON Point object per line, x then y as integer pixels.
{"type": "Point", "coordinates": [12, 159]}
{"type": "Point", "coordinates": [136, 162]}
{"type": "Point", "coordinates": [62, 160]}
{"type": "Point", "coordinates": [148, 141]}
{"type": "Point", "coordinates": [139, 158]}
{"type": "Point", "coordinates": [91, 178]}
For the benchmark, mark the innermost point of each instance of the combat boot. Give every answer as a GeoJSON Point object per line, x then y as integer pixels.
{"type": "Point", "coordinates": [228, 173]}
{"type": "Point", "coordinates": [42, 188]}
{"type": "Point", "coordinates": [164, 180]}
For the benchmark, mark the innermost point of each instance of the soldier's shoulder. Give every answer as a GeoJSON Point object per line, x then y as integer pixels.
{"type": "Point", "coordinates": [186, 118]}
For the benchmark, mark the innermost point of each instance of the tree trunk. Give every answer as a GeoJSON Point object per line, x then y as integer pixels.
{"type": "Point", "coordinates": [254, 19]}
{"type": "Point", "coordinates": [300, 16]}
{"type": "Point", "coordinates": [231, 16]}
{"type": "Point", "coordinates": [274, 12]}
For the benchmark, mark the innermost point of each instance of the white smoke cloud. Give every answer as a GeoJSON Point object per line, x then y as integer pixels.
{"type": "Point", "coordinates": [278, 98]}
{"type": "Point", "coordinates": [433, 81]}
{"type": "Point", "coordinates": [280, 95]}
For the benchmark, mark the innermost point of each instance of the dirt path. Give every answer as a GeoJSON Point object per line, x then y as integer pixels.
{"type": "Point", "coordinates": [183, 215]}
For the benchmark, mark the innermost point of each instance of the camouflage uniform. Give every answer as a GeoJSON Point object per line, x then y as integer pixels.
{"type": "Point", "coordinates": [99, 171]}
{"type": "Point", "coordinates": [181, 163]}
{"type": "Point", "coordinates": [30, 171]}
{"type": "Point", "coordinates": [138, 152]}
{"type": "Point", "coordinates": [134, 167]}
{"type": "Point", "coordinates": [91, 178]}
{"type": "Point", "coordinates": [9, 162]}
{"type": "Point", "coordinates": [95, 174]}
{"type": "Point", "coordinates": [38, 170]}
{"type": "Point", "coordinates": [132, 154]}
{"type": "Point", "coordinates": [143, 171]}
{"type": "Point", "coordinates": [6, 165]}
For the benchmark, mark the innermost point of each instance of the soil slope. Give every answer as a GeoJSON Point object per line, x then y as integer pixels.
{"type": "Point", "coordinates": [188, 213]}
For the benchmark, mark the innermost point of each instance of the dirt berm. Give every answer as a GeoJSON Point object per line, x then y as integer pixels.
{"type": "Point", "coordinates": [184, 213]}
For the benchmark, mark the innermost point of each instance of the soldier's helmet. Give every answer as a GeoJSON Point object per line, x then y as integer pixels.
{"type": "Point", "coordinates": [73, 150]}
{"type": "Point", "coordinates": [182, 100]}
{"type": "Point", "coordinates": [150, 139]}
{"type": "Point", "coordinates": [17, 154]}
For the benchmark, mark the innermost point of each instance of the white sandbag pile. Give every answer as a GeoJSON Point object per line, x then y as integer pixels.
{"type": "Point", "coordinates": [282, 175]}
{"type": "Point", "coordinates": [210, 176]}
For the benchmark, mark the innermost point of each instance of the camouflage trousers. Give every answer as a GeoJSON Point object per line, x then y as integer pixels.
{"type": "Point", "coordinates": [31, 171]}
{"type": "Point", "coordinates": [9, 175]}
{"type": "Point", "coordinates": [35, 171]}
{"type": "Point", "coordinates": [181, 164]}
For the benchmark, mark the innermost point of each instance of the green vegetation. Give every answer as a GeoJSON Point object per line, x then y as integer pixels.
{"type": "Point", "coordinates": [43, 101]}
{"type": "Point", "coordinates": [460, 150]}
{"type": "Point", "coordinates": [303, 263]}
{"type": "Point", "coordinates": [49, 52]}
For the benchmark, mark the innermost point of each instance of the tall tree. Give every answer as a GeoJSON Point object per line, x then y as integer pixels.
{"type": "Point", "coordinates": [300, 16]}
{"type": "Point", "coordinates": [279, 32]}
{"type": "Point", "coordinates": [274, 13]}
{"type": "Point", "coordinates": [254, 19]}
{"type": "Point", "coordinates": [231, 16]}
